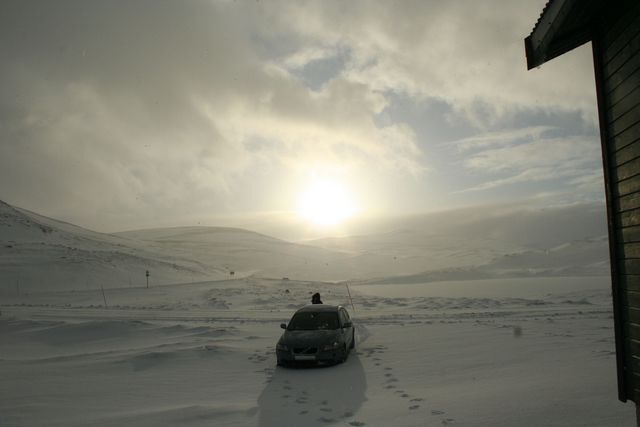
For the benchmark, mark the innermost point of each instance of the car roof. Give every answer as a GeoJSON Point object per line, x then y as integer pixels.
{"type": "Point", "coordinates": [318, 308]}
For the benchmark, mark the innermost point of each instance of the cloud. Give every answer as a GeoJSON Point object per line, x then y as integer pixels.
{"type": "Point", "coordinates": [468, 53]}
{"type": "Point", "coordinates": [499, 138]}
{"type": "Point", "coordinates": [117, 115]}
{"type": "Point", "coordinates": [303, 57]}
{"type": "Point", "coordinates": [506, 158]}
{"type": "Point", "coordinates": [155, 109]}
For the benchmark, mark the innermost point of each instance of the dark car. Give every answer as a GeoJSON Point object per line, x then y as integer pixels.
{"type": "Point", "coordinates": [316, 333]}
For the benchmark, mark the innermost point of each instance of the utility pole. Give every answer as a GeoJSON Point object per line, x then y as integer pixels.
{"type": "Point", "coordinates": [104, 298]}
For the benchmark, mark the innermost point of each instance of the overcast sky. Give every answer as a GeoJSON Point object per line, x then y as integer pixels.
{"type": "Point", "coordinates": [128, 114]}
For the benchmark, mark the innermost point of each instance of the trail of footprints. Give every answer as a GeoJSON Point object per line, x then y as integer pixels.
{"type": "Point", "coordinates": [260, 356]}
{"type": "Point", "coordinates": [390, 382]}
{"type": "Point", "coordinates": [322, 407]}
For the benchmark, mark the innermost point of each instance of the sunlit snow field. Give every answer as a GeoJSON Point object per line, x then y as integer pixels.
{"type": "Point", "coordinates": [177, 355]}
{"type": "Point", "coordinates": [462, 329]}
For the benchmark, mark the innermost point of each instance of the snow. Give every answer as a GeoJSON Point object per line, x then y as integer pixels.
{"type": "Point", "coordinates": [198, 346]}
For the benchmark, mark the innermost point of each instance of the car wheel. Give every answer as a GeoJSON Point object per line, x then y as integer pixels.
{"type": "Point", "coordinates": [345, 354]}
{"type": "Point", "coordinates": [281, 363]}
{"type": "Point", "coordinates": [353, 340]}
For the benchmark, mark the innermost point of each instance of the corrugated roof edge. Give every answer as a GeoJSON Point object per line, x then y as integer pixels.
{"type": "Point", "coordinates": [546, 7]}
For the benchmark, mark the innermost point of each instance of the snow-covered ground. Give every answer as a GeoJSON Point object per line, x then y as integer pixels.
{"type": "Point", "coordinates": [525, 344]}
{"type": "Point", "coordinates": [203, 354]}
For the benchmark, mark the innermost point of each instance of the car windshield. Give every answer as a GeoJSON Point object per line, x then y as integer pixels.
{"type": "Point", "coordinates": [310, 321]}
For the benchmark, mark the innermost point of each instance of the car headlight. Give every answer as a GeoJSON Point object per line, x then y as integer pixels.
{"type": "Point", "coordinates": [282, 347]}
{"type": "Point", "coordinates": [330, 347]}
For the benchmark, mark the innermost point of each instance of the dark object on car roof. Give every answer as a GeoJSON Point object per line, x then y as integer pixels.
{"type": "Point", "coordinates": [315, 298]}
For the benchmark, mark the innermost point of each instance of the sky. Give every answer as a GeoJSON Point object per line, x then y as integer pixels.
{"type": "Point", "coordinates": [118, 115]}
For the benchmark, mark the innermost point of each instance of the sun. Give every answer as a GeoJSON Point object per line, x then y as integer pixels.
{"type": "Point", "coordinates": [325, 202]}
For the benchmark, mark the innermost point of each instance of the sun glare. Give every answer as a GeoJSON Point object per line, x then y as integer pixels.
{"type": "Point", "coordinates": [325, 202]}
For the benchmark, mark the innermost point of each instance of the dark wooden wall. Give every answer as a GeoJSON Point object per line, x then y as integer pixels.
{"type": "Point", "coordinates": [616, 48]}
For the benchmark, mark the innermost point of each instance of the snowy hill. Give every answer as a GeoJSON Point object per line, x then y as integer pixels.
{"type": "Point", "coordinates": [39, 253]}
{"type": "Point", "coordinates": [587, 257]}
{"type": "Point", "coordinates": [468, 245]}
{"type": "Point", "coordinates": [245, 252]}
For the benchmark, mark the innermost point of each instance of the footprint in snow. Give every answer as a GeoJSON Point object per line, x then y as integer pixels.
{"type": "Point", "coordinates": [326, 420]}
{"type": "Point", "coordinates": [435, 412]}
{"type": "Point", "coordinates": [357, 423]}
{"type": "Point", "coordinates": [448, 421]}
{"type": "Point", "coordinates": [413, 407]}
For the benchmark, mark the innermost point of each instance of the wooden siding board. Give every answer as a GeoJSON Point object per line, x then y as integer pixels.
{"type": "Point", "coordinates": [633, 331]}
{"type": "Point", "coordinates": [628, 186]}
{"type": "Point", "coordinates": [629, 234]}
{"type": "Point", "coordinates": [626, 154]}
{"type": "Point", "coordinates": [627, 170]}
{"type": "Point", "coordinates": [630, 266]}
{"type": "Point", "coordinates": [633, 363]}
{"type": "Point", "coordinates": [627, 52]}
{"type": "Point", "coordinates": [628, 202]}
{"type": "Point", "coordinates": [624, 85]}
{"type": "Point", "coordinates": [630, 250]}
{"type": "Point", "coordinates": [632, 315]}
{"type": "Point", "coordinates": [626, 121]}
{"type": "Point", "coordinates": [629, 136]}
{"type": "Point", "coordinates": [631, 299]}
{"type": "Point", "coordinates": [614, 79]}
{"type": "Point", "coordinates": [630, 218]}
{"type": "Point", "coordinates": [613, 37]}
{"type": "Point", "coordinates": [634, 346]}
{"type": "Point", "coordinates": [630, 283]}
{"type": "Point", "coordinates": [625, 105]}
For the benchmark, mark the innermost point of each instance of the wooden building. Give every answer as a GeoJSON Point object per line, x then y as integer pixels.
{"type": "Point", "coordinates": [613, 27]}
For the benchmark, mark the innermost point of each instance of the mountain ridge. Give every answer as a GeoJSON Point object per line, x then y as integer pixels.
{"type": "Point", "coordinates": [52, 254]}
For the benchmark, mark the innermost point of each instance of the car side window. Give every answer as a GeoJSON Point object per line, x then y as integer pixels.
{"type": "Point", "coordinates": [344, 317]}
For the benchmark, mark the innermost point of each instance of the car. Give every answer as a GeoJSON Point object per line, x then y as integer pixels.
{"type": "Point", "coordinates": [316, 333]}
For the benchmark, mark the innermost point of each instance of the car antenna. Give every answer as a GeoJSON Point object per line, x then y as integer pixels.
{"type": "Point", "coordinates": [350, 300]}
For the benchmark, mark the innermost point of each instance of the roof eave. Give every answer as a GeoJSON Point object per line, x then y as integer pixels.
{"type": "Point", "coordinates": [548, 38]}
